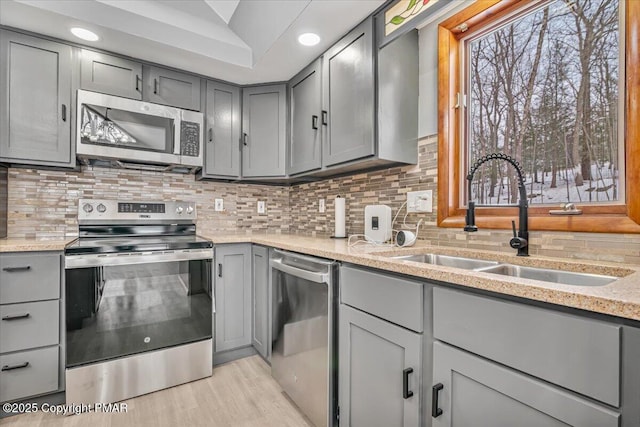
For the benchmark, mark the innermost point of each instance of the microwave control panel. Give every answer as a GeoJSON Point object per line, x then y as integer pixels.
{"type": "Point", "coordinates": [189, 139]}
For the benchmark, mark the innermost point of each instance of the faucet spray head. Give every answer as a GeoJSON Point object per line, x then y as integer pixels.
{"type": "Point", "coordinates": [470, 218]}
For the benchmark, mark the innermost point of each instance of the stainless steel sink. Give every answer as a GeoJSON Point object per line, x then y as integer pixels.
{"type": "Point", "coordinates": [448, 261]}
{"type": "Point", "coordinates": [546, 275]}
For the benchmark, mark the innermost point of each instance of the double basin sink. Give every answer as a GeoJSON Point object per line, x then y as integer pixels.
{"type": "Point", "coordinates": [495, 267]}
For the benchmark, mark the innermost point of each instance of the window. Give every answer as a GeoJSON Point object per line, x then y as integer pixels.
{"type": "Point", "coordinates": [552, 84]}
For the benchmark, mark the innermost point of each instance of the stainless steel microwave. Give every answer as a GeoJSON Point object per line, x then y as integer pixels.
{"type": "Point", "coordinates": [115, 128]}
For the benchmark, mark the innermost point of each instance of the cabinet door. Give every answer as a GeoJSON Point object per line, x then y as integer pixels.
{"type": "Point", "coordinates": [348, 96]}
{"type": "Point", "coordinates": [169, 87]}
{"type": "Point", "coordinates": [35, 100]}
{"type": "Point", "coordinates": [260, 294]}
{"type": "Point", "coordinates": [476, 392]}
{"type": "Point", "coordinates": [222, 149]}
{"type": "Point", "coordinates": [305, 148]}
{"type": "Point", "coordinates": [233, 296]}
{"type": "Point", "coordinates": [376, 359]}
{"type": "Point", "coordinates": [110, 74]}
{"type": "Point", "coordinates": [264, 131]}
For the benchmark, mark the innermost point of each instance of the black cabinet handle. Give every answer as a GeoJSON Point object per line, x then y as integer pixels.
{"type": "Point", "coordinates": [137, 83]}
{"type": "Point", "coordinates": [210, 135]}
{"type": "Point", "coordinates": [406, 393]}
{"type": "Point", "coordinates": [16, 269]}
{"type": "Point", "coordinates": [435, 411]}
{"type": "Point", "coordinates": [16, 316]}
{"type": "Point", "coordinates": [314, 122]}
{"type": "Point", "coordinates": [324, 118]}
{"type": "Point", "coordinates": [155, 86]}
{"type": "Point", "coordinates": [244, 139]}
{"type": "Point", "coordinates": [12, 367]}
{"type": "Point", "coordinates": [64, 113]}
{"type": "Point", "coordinates": [219, 270]}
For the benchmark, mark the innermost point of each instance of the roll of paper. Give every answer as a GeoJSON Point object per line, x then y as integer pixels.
{"type": "Point", "coordinates": [340, 217]}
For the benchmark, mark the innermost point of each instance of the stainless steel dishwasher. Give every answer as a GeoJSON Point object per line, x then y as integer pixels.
{"type": "Point", "coordinates": [304, 349]}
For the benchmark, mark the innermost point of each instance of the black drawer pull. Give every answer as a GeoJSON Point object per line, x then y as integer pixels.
{"type": "Point", "coordinates": [137, 83]}
{"type": "Point", "coordinates": [324, 118]}
{"type": "Point", "coordinates": [16, 316]}
{"type": "Point", "coordinates": [314, 122]}
{"type": "Point", "coordinates": [155, 86]}
{"type": "Point", "coordinates": [210, 135]}
{"type": "Point", "coordinates": [219, 270]}
{"type": "Point", "coordinates": [406, 393]}
{"type": "Point", "coordinates": [64, 113]}
{"type": "Point", "coordinates": [16, 269]}
{"type": "Point", "coordinates": [12, 367]}
{"type": "Point", "coordinates": [435, 411]}
{"type": "Point", "coordinates": [244, 139]}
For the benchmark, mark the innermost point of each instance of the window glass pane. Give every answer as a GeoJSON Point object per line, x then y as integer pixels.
{"type": "Point", "coordinates": [543, 88]}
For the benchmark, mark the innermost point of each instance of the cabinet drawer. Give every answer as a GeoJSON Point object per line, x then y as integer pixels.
{"type": "Point", "coordinates": [29, 277]}
{"type": "Point", "coordinates": [398, 300]}
{"type": "Point", "coordinates": [39, 374]}
{"type": "Point", "coordinates": [29, 325]}
{"type": "Point", "coordinates": [579, 354]}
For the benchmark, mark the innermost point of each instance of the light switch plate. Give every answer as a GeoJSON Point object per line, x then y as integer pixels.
{"type": "Point", "coordinates": [420, 201]}
{"type": "Point", "coordinates": [321, 207]}
{"type": "Point", "coordinates": [261, 207]}
{"type": "Point", "coordinates": [219, 205]}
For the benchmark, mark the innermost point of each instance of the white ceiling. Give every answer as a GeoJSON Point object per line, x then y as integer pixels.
{"type": "Point", "coordinates": [241, 41]}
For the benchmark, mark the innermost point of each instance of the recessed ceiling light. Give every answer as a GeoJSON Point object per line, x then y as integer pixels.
{"type": "Point", "coordinates": [85, 34]}
{"type": "Point", "coordinates": [309, 39]}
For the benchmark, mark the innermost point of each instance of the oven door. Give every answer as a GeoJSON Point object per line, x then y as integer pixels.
{"type": "Point", "coordinates": [123, 304]}
{"type": "Point", "coordinates": [111, 127]}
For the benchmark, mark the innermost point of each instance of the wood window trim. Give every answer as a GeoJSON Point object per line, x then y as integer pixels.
{"type": "Point", "coordinates": [621, 218]}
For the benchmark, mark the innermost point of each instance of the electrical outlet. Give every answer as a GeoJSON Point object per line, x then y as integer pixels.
{"type": "Point", "coordinates": [321, 207]}
{"type": "Point", "coordinates": [420, 201]}
{"type": "Point", "coordinates": [261, 207]}
{"type": "Point", "coordinates": [219, 205]}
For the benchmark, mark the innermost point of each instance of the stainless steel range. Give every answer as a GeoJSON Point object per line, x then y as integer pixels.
{"type": "Point", "coordinates": [138, 300]}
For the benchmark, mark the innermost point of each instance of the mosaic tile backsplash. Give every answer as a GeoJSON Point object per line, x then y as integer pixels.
{"type": "Point", "coordinates": [43, 204]}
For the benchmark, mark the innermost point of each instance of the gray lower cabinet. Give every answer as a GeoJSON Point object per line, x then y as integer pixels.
{"type": "Point", "coordinates": [264, 118]}
{"type": "Point", "coordinates": [31, 325]}
{"type": "Point", "coordinates": [260, 300]}
{"type": "Point", "coordinates": [348, 96]}
{"type": "Point", "coordinates": [109, 74]}
{"type": "Point", "coordinates": [35, 101]}
{"type": "Point", "coordinates": [232, 296]}
{"type": "Point", "coordinates": [380, 372]}
{"type": "Point", "coordinates": [305, 104]}
{"type": "Point", "coordinates": [472, 391]}
{"type": "Point", "coordinates": [168, 87]}
{"type": "Point", "coordinates": [222, 137]}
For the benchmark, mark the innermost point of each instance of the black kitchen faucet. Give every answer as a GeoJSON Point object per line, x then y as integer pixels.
{"type": "Point", "coordinates": [520, 241]}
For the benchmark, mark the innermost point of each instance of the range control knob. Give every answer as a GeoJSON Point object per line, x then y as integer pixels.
{"type": "Point", "coordinates": [189, 210]}
{"type": "Point", "coordinates": [87, 208]}
{"type": "Point", "coordinates": [101, 208]}
{"type": "Point", "coordinates": [179, 210]}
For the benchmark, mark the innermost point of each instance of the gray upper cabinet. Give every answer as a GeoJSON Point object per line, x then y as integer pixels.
{"type": "Point", "coordinates": [260, 296]}
{"type": "Point", "coordinates": [305, 103]}
{"type": "Point", "coordinates": [222, 137]}
{"type": "Point", "coordinates": [471, 391]}
{"type": "Point", "coordinates": [380, 372]}
{"type": "Point", "coordinates": [169, 87]}
{"type": "Point", "coordinates": [264, 119]}
{"type": "Point", "coordinates": [233, 297]}
{"type": "Point", "coordinates": [35, 101]}
{"type": "Point", "coordinates": [110, 74]}
{"type": "Point", "coordinates": [348, 96]}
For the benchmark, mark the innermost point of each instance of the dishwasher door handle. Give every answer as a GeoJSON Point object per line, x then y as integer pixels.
{"type": "Point", "coordinates": [311, 276]}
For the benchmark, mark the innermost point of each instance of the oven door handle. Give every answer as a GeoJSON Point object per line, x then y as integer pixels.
{"type": "Point", "coordinates": [101, 260]}
{"type": "Point", "coordinates": [311, 276]}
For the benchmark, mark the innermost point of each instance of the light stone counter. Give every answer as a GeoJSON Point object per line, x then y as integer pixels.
{"type": "Point", "coordinates": [32, 245]}
{"type": "Point", "coordinates": [620, 298]}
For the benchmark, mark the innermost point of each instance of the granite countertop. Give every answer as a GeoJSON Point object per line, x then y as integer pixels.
{"type": "Point", "coordinates": [33, 245]}
{"type": "Point", "coordinates": [620, 298]}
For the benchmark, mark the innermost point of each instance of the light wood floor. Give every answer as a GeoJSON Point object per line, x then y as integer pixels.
{"type": "Point", "coordinates": [240, 393]}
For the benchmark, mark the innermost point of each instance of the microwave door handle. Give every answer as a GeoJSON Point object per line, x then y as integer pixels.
{"type": "Point", "coordinates": [176, 137]}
